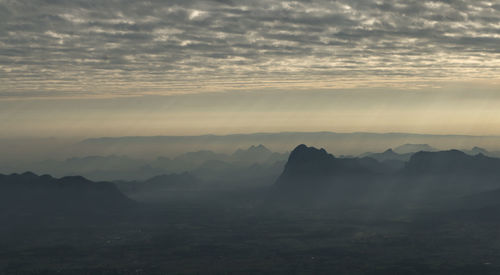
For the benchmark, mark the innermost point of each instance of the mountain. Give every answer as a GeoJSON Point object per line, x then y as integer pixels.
{"type": "Point", "coordinates": [31, 194]}
{"type": "Point", "coordinates": [124, 168]}
{"type": "Point", "coordinates": [438, 177]}
{"type": "Point", "coordinates": [256, 154]}
{"type": "Point", "coordinates": [98, 168]}
{"type": "Point", "coordinates": [453, 162]}
{"type": "Point", "coordinates": [389, 154]}
{"type": "Point", "coordinates": [309, 166]}
{"type": "Point", "coordinates": [390, 159]}
{"type": "Point", "coordinates": [412, 148]}
{"type": "Point", "coordinates": [477, 150]}
{"type": "Point", "coordinates": [445, 176]}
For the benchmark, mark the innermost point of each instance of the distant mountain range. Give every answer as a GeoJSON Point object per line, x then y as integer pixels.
{"type": "Point", "coordinates": [251, 155]}
{"type": "Point", "coordinates": [412, 148]}
{"type": "Point", "coordinates": [389, 154]}
{"type": "Point", "coordinates": [340, 143]}
{"type": "Point", "coordinates": [113, 167]}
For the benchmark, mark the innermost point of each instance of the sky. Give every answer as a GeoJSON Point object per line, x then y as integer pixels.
{"type": "Point", "coordinates": [111, 68]}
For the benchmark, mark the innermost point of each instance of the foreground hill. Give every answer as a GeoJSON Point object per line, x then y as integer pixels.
{"type": "Point", "coordinates": [30, 194]}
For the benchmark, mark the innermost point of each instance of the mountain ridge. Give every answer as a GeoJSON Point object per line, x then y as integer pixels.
{"type": "Point", "coordinates": [307, 165]}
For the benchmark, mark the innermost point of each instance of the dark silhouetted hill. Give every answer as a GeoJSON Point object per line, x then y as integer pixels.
{"type": "Point", "coordinates": [452, 162]}
{"type": "Point", "coordinates": [308, 166]}
{"type": "Point", "coordinates": [438, 177]}
{"type": "Point", "coordinates": [98, 168]}
{"type": "Point", "coordinates": [29, 194]}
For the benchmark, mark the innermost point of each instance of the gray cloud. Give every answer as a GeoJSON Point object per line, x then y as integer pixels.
{"type": "Point", "coordinates": [66, 48]}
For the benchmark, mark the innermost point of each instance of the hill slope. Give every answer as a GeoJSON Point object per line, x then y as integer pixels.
{"type": "Point", "coordinates": [29, 194]}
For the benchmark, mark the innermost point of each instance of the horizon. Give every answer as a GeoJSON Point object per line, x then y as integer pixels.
{"type": "Point", "coordinates": [83, 138]}
{"type": "Point", "coordinates": [298, 132]}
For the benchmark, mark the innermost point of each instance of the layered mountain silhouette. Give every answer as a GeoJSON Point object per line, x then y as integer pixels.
{"type": "Point", "coordinates": [31, 194]}
{"type": "Point", "coordinates": [98, 168]}
{"type": "Point", "coordinates": [452, 172]}
{"type": "Point", "coordinates": [478, 150]}
{"type": "Point", "coordinates": [452, 162]}
{"type": "Point", "coordinates": [254, 152]}
{"type": "Point", "coordinates": [312, 166]}
{"type": "Point", "coordinates": [125, 168]}
{"type": "Point", "coordinates": [257, 154]}
{"type": "Point", "coordinates": [413, 148]}
{"type": "Point", "coordinates": [349, 142]}
{"type": "Point", "coordinates": [388, 155]}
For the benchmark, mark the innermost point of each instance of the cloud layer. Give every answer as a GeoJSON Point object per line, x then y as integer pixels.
{"type": "Point", "coordinates": [125, 47]}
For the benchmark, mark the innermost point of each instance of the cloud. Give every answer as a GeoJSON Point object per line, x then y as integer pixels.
{"type": "Point", "coordinates": [67, 48]}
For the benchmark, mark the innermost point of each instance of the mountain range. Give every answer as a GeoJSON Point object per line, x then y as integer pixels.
{"type": "Point", "coordinates": [452, 162]}
{"type": "Point", "coordinates": [426, 176]}
{"type": "Point", "coordinates": [340, 143]}
{"type": "Point", "coordinates": [420, 175]}
{"type": "Point", "coordinates": [115, 167]}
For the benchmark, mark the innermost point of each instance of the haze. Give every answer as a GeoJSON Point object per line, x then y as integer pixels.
{"type": "Point", "coordinates": [249, 137]}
